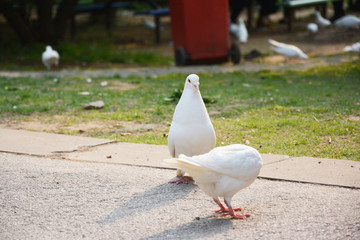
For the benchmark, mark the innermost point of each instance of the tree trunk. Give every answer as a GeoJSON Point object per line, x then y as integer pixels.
{"type": "Point", "coordinates": [44, 12]}
{"type": "Point", "coordinates": [48, 29]}
{"type": "Point", "coordinates": [17, 23]}
{"type": "Point", "coordinates": [63, 16]}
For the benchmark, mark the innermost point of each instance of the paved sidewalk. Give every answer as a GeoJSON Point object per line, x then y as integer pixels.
{"type": "Point", "coordinates": [67, 187]}
{"type": "Point", "coordinates": [303, 169]}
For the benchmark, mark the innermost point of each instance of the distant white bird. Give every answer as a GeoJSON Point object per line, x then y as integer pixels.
{"type": "Point", "coordinates": [149, 24]}
{"type": "Point", "coordinates": [222, 172]}
{"type": "Point", "coordinates": [191, 131]}
{"type": "Point", "coordinates": [242, 31]}
{"type": "Point", "coordinates": [348, 21]}
{"type": "Point", "coordinates": [287, 50]}
{"type": "Point", "coordinates": [234, 29]}
{"type": "Point", "coordinates": [353, 48]}
{"type": "Point", "coordinates": [50, 57]}
{"type": "Point", "coordinates": [312, 27]}
{"type": "Point", "coordinates": [321, 21]}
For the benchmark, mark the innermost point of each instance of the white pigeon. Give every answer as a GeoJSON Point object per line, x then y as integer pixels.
{"type": "Point", "coordinates": [348, 21]}
{"type": "Point", "coordinates": [353, 48]}
{"type": "Point", "coordinates": [191, 131]}
{"type": "Point", "coordinates": [321, 21]}
{"type": "Point", "coordinates": [50, 57]}
{"type": "Point", "coordinates": [222, 172]}
{"type": "Point", "coordinates": [312, 27]}
{"type": "Point", "coordinates": [234, 29]}
{"type": "Point", "coordinates": [149, 24]}
{"type": "Point", "coordinates": [242, 31]}
{"type": "Point", "coordinates": [287, 50]}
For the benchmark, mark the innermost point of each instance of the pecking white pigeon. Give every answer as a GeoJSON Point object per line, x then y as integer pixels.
{"type": "Point", "coordinates": [242, 31]}
{"type": "Point", "coordinates": [222, 172]}
{"type": "Point", "coordinates": [348, 21]}
{"type": "Point", "coordinates": [353, 48]}
{"type": "Point", "coordinates": [50, 57]}
{"type": "Point", "coordinates": [191, 131]}
{"type": "Point", "coordinates": [321, 21]}
{"type": "Point", "coordinates": [312, 27]}
{"type": "Point", "coordinates": [287, 50]}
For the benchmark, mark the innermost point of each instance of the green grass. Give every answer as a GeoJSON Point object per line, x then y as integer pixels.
{"type": "Point", "coordinates": [290, 112]}
{"type": "Point", "coordinates": [78, 54]}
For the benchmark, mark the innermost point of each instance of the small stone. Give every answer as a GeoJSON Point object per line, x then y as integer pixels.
{"type": "Point", "coordinates": [125, 134]}
{"type": "Point", "coordinates": [104, 83]}
{"type": "Point", "coordinates": [109, 156]}
{"type": "Point", "coordinates": [94, 105]}
{"type": "Point", "coordinates": [197, 218]}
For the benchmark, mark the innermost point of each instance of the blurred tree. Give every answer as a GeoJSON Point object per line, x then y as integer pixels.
{"type": "Point", "coordinates": [48, 28]}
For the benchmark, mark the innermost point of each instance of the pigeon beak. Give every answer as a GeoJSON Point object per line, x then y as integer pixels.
{"type": "Point", "coordinates": [196, 86]}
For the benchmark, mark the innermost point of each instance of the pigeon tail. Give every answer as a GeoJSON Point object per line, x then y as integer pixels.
{"type": "Point", "coordinates": [181, 163]}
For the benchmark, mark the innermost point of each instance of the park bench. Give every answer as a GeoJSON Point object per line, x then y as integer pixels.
{"type": "Point", "coordinates": [89, 6]}
{"type": "Point", "coordinates": [157, 14]}
{"type": "Point", "coordinates": [292, 5]}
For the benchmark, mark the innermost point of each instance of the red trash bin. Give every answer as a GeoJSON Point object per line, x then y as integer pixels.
{"type": "Point", "coordinates": [200, 32]}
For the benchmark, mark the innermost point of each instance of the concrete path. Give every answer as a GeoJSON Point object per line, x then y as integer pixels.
{"type": "Point", "coordinates": [155, 71]}
{"type": "Point", "coordinates": [68, 187]}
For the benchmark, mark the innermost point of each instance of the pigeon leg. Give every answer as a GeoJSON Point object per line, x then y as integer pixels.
{"type": "Point", "coordinates": [181, 178]}
{"type": "Point", "coordinates": [231, 210]}
{"type": "Point", "coordinates": [222, 208]}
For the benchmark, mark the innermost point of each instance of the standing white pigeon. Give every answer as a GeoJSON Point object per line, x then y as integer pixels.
{"type": "Point", "coordinates": [353, 48]}
{"type": "Point", "coordinates": [242, 31]}
{"type": "Point", "coordinates": [287, 50]}
{"type": "Point", "coordinates": [321, 21]}
{"type": "Point", "coordinates": [50, 57]}
{"type": "Point", "coordinates": [191, 131]}
{"type": "Point", "coordinates": [312, 28]}
{"type": "Point", "coordinates": [222, 172]}
{"type": "Point", "coordinates": [348, 21]}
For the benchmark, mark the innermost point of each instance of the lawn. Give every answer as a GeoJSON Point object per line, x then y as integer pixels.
{"type": "Point", "coordinates": [299, 113]}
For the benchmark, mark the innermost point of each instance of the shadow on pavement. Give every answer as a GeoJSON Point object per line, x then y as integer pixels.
{"type": "Point", "coordinates": [161, 195]}
{"type": "Point", "coordinates": [205, 227]}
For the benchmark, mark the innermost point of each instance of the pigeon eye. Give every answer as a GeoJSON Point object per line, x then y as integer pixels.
{"type": "Point", "coordinates": [189, 80]}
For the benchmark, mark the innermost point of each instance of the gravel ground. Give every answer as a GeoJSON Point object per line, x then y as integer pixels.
{"type": "Point", "coordinates": [45, 198]}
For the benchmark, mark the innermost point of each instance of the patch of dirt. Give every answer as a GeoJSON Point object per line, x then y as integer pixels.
{"type": "Point", "coordinates": [84, 128]}
{"type": "Point", "coordinates": [354, 118]}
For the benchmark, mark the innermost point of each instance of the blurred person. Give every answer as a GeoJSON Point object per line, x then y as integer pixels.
{"type": "Point", "coordinates": [338, 10]}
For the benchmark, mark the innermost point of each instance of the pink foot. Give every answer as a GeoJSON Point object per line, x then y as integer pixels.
{"type": "Point", "coordinates": [237, 216]}
{"type": "Point", "coordinates": [227, 210]}
{"type": "Point", "coordinates": [180, 180]}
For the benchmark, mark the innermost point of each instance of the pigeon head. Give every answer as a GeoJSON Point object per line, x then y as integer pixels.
{"type": "Point", "coordinates": [192, 81]}
{"type": "Point", "coordinates": [303, 56]}
{"type": "Point", "coordinates": [48, 48]}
